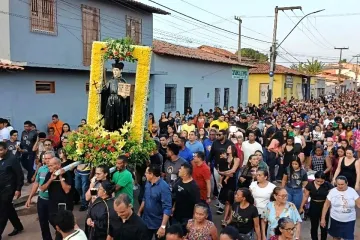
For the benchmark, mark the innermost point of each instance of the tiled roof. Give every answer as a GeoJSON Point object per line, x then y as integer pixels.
{"type": "Point", "coordinates": [333, 77]}
{"type": "Point", "coordinates": [225, 53]}
{"type": "Point", "coordinates": [10, 66]}
{"type": "Point", "coordinates": [264, 68]}
{"type": "Point", "coordinates": [133, 5]}
{"type": "Point", "coordinates": [166, 48]}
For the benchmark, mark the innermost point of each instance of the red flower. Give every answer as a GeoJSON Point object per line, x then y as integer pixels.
{"type": "Point", "coordinates": [116, 53]}
{"type": "Point", "coordinates": [103, 146]}
{"type": "Point", "coordinates": [109, 147]}
{"type": "Point", "coordinates": [107, 137]}
{"type": "Point", "coordinates": [127, 154]}
{"type": "Point", "coordinates": [97, 148]}
{"type": "Point", "coordinates": [113, 141]}
{"type": "Point", "coordinates": [90, 145]}
{"type": "Point", "coordinates": [86, 132]}
{"type": "Point", "coordinates": [128, 53]}
{"type": "Point", "coordinates": [121, 59]}
{"type": "Point", "coordinates": [87, 155]}
{"type": "Point", "coordinates": [112, 149]}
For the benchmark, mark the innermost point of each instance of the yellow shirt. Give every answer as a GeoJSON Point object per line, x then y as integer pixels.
{"type": "Point", "coordinates": [222, 125]}
{"type": "Point", "coordinates": [188, 128]}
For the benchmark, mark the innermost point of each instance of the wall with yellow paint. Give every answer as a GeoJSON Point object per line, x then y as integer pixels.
{"type": "Point", "coordinates": [278, 92]}
{"type": "Point", "coordinates": [254, 86]}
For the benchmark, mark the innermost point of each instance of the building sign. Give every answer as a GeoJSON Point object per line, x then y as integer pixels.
{"type": "Point", "coordinates": [238, 73]}
{"type": "Point", "coordinates": [289, 82]}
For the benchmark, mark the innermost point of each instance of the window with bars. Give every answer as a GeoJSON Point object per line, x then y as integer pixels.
{"type": "Point", "coordinates": [217, 97]}
{"type": "Point", "coordinates": [170, 97]}
{"type": "Point", "coordinates": [44, 87]}
{"type": "Point", "coordinates": [90, 30]}
{"type": "Point", "coordinates": [226, 97]}
{"type": "Point", "coordinates": [133, 29]}
{"type": "Point", "coordinates": [43, 16]}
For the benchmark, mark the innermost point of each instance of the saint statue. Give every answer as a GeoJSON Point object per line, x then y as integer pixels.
{"type": "Point", "coordinates": [115, 99]}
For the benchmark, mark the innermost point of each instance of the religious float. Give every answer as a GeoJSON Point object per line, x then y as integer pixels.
{"type": "Point", "coordinates": [111, 129]}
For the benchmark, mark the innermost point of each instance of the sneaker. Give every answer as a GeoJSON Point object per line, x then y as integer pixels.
{"type": "Point", "coordinates": [83, 209]}
{"type": "Point", "coordinates": [217, 205]}
{"type": "Point", "coordinates": [220, 211]}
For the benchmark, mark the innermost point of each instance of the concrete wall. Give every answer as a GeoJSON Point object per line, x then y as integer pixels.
{"type": "Point", "coordinates": [5, 29]}
{"type": "Point", "coordinates": [202, 76]}
{"type": "Point", "coordinates": [65, 49]}
{"type": "Point", "coordinates": [21, 103]}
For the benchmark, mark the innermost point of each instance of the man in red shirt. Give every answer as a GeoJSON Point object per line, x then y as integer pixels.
{"type": "Point", "coordinates": [201, 175]}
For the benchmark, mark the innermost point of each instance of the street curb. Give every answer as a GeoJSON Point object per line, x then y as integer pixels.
{"type": "Point", "coordinates": [21, 201]}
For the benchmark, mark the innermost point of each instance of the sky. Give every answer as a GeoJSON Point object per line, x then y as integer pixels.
{"type": "Point", "coordinates": [315, 37]}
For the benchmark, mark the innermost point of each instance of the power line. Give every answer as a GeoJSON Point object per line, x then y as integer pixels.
{"type": "Point", "coordinates": [303, 31]}
{"type": "Point", "coordinates": [223, 18]}
{"type": "Point", "coordinates": [225, 30]}
{"type": "Point", "coordinates": [322, 16]}
{"type": "Point", "coordinates": [319, 32]}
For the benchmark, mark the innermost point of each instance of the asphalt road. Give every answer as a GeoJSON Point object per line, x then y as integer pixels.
{"type": "Point", "coordinates": [32, 229]}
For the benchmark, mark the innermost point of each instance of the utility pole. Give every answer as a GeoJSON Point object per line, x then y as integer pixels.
{"type": "Point", "coordinates": [356, 71]}
{"type": "Point", "coordinates": [340, 66]}
{"type": "Point", "coordinates": [273, 50]}
{"type": "Point", "coordinates": [239, 41]}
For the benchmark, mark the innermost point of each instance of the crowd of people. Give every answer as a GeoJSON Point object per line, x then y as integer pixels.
{"type": "Point", "coordinates": [266, 167]}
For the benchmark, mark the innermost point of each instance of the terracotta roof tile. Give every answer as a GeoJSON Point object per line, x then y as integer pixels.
{"type": "Point", "coordinates": [10, 66]}
{"type": "Point", "coordinates": [166, 48]}
{"type": "Point", "coordinates": [264, 68]}
{"type": "Point", "coordinates": [136, 4]}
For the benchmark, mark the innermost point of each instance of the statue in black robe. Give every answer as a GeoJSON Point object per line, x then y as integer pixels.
{"type": "Point", "coordinates": [114, 107]}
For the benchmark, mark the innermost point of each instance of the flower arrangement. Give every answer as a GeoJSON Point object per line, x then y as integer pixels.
{"type": "Point", "coordinates": [119, 49]}
{"type": "Point", "coordinates": [143, 56]}
{"type": "Point", "coordinates": [97, 146]}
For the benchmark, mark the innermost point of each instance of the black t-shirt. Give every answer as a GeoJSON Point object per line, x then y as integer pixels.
{"type": "Point", "coordinates": [132, 229]}
{"type": "Point", "coordinates": [57, 194]}
{"type": "Point", "coordinates": [186, 196]}
{"type": "Point", "coordinates": [243, 219]}
{"type": "Point", "coordinates": [320, 193]}
{"type": "Point", "coordinates": [217, 148]}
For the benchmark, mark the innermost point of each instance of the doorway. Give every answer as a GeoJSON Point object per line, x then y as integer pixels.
{"type": "Point", "coordinates": [187, 98]}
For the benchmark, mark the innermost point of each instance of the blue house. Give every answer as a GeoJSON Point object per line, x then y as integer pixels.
{"type": "Point", "coordinates": [203, 77]}
{"type": "Point", "coordinates": [52, 40]}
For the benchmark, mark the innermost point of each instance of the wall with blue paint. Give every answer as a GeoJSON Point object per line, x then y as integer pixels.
{"type": "Point", "coordinates": [202, 76]}
{"type": "Point", "coordinates": [65, 50]}
{"type": "Point", "coordinates": [21, 103]}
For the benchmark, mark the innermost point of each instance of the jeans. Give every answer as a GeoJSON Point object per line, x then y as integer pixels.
{"type": "Point", "coordinates": [295, 195]}
{"type": "Point", "coordinates": [271, 162]}
{"type": "Point", "coordinates": [44, 218]}
{"type": "Point", "coordinates": [27, 161]}
{"type": "Point", "coordinates": [82, 184]}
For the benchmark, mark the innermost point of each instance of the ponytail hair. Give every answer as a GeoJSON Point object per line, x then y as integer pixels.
{"type": "Point", "coordinates": [275, 192]}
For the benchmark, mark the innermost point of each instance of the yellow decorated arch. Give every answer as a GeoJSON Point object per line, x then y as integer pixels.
{"type": "Point", "coordinates": [143, 56]}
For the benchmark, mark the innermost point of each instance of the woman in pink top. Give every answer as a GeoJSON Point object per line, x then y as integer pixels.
{"type": "Point", "coordinates": [274, 152]}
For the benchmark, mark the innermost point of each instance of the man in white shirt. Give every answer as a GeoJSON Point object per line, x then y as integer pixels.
{"type": "Point", "coordinates": [329, 119]}
{"type": "Point", "coordinates": [250, 146]}
{"type": "Point", "coordinates": [65, 224]}
{"type": "Point", "coordinates": [4, 132]}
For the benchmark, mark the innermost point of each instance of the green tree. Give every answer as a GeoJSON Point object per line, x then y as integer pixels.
{"type": "Point", "coordinates": [254, 54]}
{"type": "Point", "coordinates": [312, 67]}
